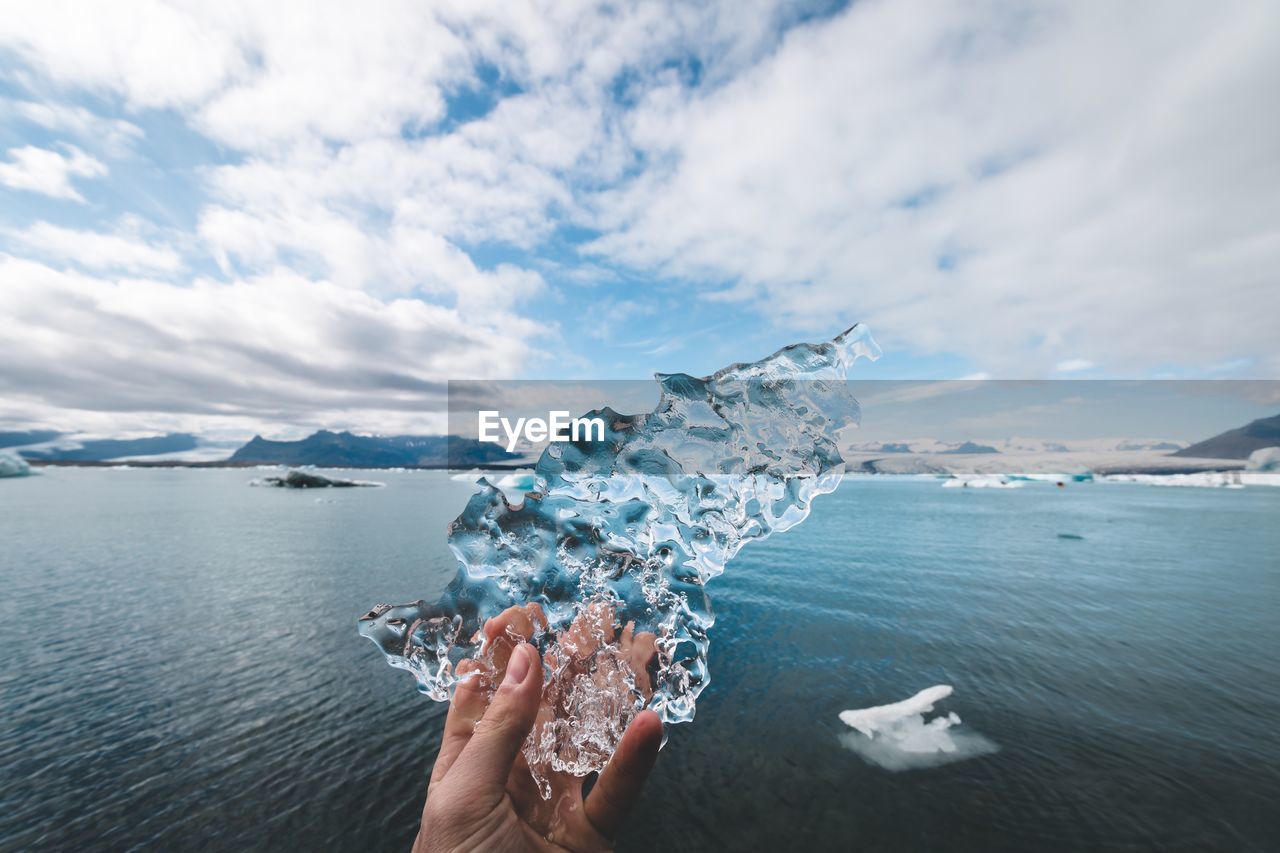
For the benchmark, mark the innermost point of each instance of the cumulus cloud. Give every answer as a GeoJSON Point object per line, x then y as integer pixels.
{"type": "Point", "coordinates": [155, 54]}
{"type": "Point", "coordinates": [41, 170]}
{"type": "Point", "coordinates": [1008, 182]}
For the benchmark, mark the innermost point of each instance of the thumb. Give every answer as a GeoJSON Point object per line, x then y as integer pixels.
{"type": "Point", "coordinates": [487, 758]}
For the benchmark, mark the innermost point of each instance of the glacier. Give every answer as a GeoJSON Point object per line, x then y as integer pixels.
{"type": "Point", "coordinates": [604, 564]}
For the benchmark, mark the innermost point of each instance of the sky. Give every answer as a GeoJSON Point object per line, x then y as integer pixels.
{"type": "Point", "coordinates": [233, 218]}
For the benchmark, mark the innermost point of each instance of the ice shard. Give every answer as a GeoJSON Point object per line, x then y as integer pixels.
{"type": "Point", "coordinates": [604, 566]}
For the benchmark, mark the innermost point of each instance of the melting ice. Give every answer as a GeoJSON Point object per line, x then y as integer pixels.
{"type": "Point", "coordinates": [604, 565]}
{"type": "Point", "coordinates": [897, 736]}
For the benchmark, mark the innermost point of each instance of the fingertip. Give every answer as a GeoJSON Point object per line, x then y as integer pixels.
{"type": "Point", "coordinates": [522, 681]}
{"type": "Point", "coordinates": [523, 667]}
{"type": "Point", "coordinates": [645, 733]}
{"type": "Point", "coordinates": [648, 719]}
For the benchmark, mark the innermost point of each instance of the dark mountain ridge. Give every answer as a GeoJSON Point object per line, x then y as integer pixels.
{"type": "Point", "coordinates": [1237, 443]}
{"type": "Point", "coordinates": [345, 449]}
{"type": "Point", "coordinates": [971, 447]}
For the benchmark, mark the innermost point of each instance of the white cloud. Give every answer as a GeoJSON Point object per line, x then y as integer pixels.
{"type": "Point", "coordinates": [115, 135]}
{"type": "Point", "coordinates": [404, 257]}
{"type": "Point", "coordinates": [1074, 365]}
{"type": "Point", "coordinates": [153, 53]}
{"type": "Point", "coordinates": [121, 251]}
{"type": "Point", "coordinates": [1012, 183]}
{"type": "Point", "coordinates": [336, 71]}
{"type": "Point", "coordinates": [48, 172]}
{"type": "Point", "coordinates": [276, 348]}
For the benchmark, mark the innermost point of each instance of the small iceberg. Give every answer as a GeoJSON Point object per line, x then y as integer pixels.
{"type": "Point", "coordinates": [517, 481]}
{"type": "Point", "coordinates": [13, 465]}
{"type": "Point", "coordinates": [514, 485]}
{"type": "Point", "coordinates": [1266, 459]}
{"type": "Point", "coordinates": [1193, 479]}
{"type": "Point", "coordinates": [310, 480]}
{"type": "Point", "coordinates": [985, 482]}
{"type": "Point", "coordinates": [897, 736]}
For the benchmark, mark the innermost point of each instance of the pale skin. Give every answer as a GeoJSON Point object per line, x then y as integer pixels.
{"type": "Point", "coordinates": [482, 796]}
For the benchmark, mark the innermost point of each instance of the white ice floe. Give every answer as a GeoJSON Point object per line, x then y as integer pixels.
{"type": "Point", "coordinates": [517, 482]}
{"type": "Point", "coordinates": [514, 484]}
{"type": "Point", "coordinates": [1202, 479]}
{"type": "Point", "coordinates": [981, 483]}
{"type": "Point", "coordinates": [1266, 459]}
{"type": "Point", "coordinates": [897, 736]}
{"type": "Point", "coordinates": [1073, 465]}
{"type": "Point", "coordinates": [13, 465]}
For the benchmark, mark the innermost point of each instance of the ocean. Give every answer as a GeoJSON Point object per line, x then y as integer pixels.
{"type": "Point", "coordinates": [181, 668]}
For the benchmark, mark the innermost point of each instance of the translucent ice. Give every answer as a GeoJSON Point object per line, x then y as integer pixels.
{"type": "Point", "coordinates": [604, 565]}
{"type": "Point", "coordinates": [897, 736]}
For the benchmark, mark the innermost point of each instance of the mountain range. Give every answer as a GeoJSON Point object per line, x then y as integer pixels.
{"type": "Point", "coordinates": [324, 448]}
{"type": "Point", "coordinates": [1238, 443]}
{"type": "Point", "coordinates": [345, 449]}
{"type": "Point", "coordinates": [1018, 445]}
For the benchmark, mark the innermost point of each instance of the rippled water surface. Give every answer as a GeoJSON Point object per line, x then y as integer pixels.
{"type": "Point", "coordinates": [181, 668]}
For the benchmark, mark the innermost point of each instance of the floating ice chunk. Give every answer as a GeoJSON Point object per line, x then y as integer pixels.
{"type": "Point", "coordinates": [13, 465]}
{"type": "Point", "coordinates": [517, 483]}
{"type": "Point", "coordinates": [897, 736]}
{"type": "Point", "coordinates": [1194, 479]}
{"type": "Point", "coordinates": [873, 721]}
{"type": "Point", "coordinates": [982, 483]}
{"type": "Point", "coordinates": [1264, 459]}
{"type": "Point", "coordinates": [310, 480]}
{"type": "Point", "coordinates": [513, 485]}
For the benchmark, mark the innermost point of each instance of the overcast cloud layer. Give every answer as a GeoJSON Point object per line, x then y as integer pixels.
{"type": "Point", "coordinates": [270, 216]}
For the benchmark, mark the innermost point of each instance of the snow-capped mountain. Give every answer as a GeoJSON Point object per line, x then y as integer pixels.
{"type": "Point", "coordinates": [1019, 445]}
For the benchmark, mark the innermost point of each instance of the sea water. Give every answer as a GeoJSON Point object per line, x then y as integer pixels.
{"type": "Point", "coordinates": [179, 669]}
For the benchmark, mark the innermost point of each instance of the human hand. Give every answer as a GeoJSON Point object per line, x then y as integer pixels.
{"type": "Point", "coordinates": [482, 796]}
